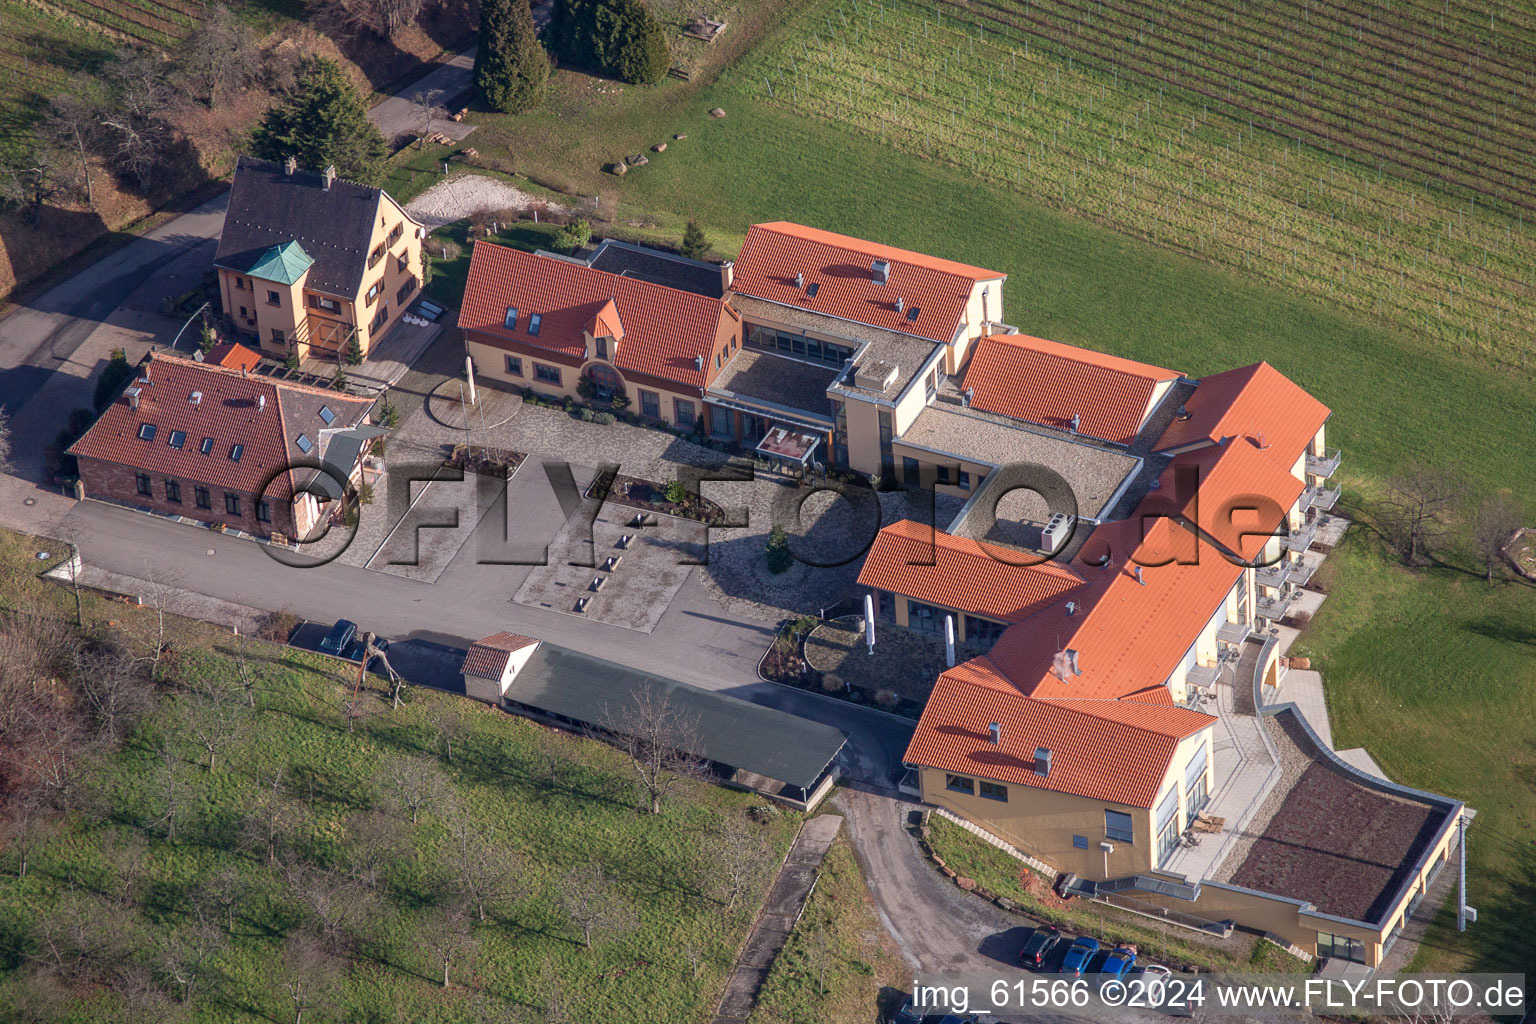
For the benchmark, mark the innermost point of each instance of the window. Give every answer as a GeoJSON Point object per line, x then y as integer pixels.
{"type": "Point", "coordinates": [406, 290]}
{"type": "Point", "coordinates": [394, 234]}
{"type": "Point", "coordinates": [173, 491]}
{"type": "Point", "coordinates": [235, 451]}
{"type": "Point", "coordinates": [717, 360]}
{"type": "Point", "coordinates": [304, 444]}
{"type": "Point", "coordinates": [943, 474]}
{"type": "Point", "coordinates": [326, 416]}
{"type": "Point", "coordinates": [514, 366]}
{"type": "Point", "coordinates": [547, 374]}
{"type": "Point", "coordinates": [242, 312]}
{"type": "Point", "coordinates": [910, 471]}
{"type": "Point", "coordinates": [379, 317]}
{"type": "Point", "coordinates": [960, 784]}
{"type": "Point", "coordinates": [376, 255]}
{"type": "Point", "coordinates": [206, 446]}
{"type": "Point", "coordinates": [1168, 825]}
{"type": "Point", "coordinates": [147, 431]}
{"type": "Point", "coordinates": [373, 293]}
{"type": "Point", "coordinates": [177, 439]}
{"type": "Point", "coordinates": [264, 511]}
{"type": "Point", "coordinates": [963, 480]}
{"type": "Point", "coordinates": [534, 320]}
{"type": "Point", "coordinates": [274, 298]}
{"type": "Point", "coordinates": [1118, 826]}
{"type": "Point", "coordinates": [1080, 842]}
{"type": "Point", "coordinates": [232, 504]}
{"type": "Point", "coordinates": [994, 791]}
{"type": "Point", "coordinates": [200, 496]}
{"type": "Point", "coordinates": [602, 347]}
{"type": "Point", "coordinates": [1341, 946]}
{"type": "Point", "coordinates": [510, 323]}
{"type": "Point", "coordinates": [982, 631]}
{"type": "Point", "coordinates": [321, 302]}
{"type": "Point", "coordinates": [403, 262]}
{"type": "Point", "coordinates": [278, 337]}
{"type": "Point", "coordinates": [682, 410]}
{"type": "Point", "coordinates": [239, 283]}
{"type": "Point", "coordinates": [650, 404]}
{"type": "Point", "coordinates": [142, 481]}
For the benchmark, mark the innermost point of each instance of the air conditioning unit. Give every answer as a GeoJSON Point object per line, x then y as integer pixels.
{"type": "Point", "coordinates": [1057, 529]}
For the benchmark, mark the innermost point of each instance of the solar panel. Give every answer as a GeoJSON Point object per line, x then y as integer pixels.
{"type": "Point", "coordinates": [304, 443]}
{"type": "Point", "coordinates": [146, 431]}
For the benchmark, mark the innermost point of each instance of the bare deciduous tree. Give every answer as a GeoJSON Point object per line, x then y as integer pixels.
{"type": "Point", "coordinates": [310, 975]}
{"type": "Point", "coordinates": [170, 788]}
{"type": "Point", "coordinates": [1494, 522]}
{"type": "Point", "coordinates": [416, 783]}
{"type": "Point", "coordinates": [28, 822]}
{"type": "Point", "coordinates": [112, 687]}
{"type": "Point", "coordinates": [271, 818]}
{"type": "Point", "coordinates": [426, 106]}
{"type": "Point", "coordinates": [381, 17]}
{"type": "Point", "coordinates": [551, 755]}
{"type": "Point", "coordinates": [447, 938]}
{"type": "Point", "coordinates": [216, 717]}
{"type": "Point", "coordinates": [737, 861]}
{"type": "Point", "coordinates": [336, 900]}
{"type": "Point", "coordinates": [73, 123]}
{"type": "Point", "coordinates": [221, 57]}
{"type": "Point", "coordinates": [83, 937]}
{"type": "Point", "coordinates": [374, 842]}
{"type": "Point", "coordinates": [32, 178]}
{"type": "Point", "coordinates": [217, 897]}
{"type": "Point", "coordinates": [135, 116]}
{"type": "Point", "coordinates": [486, 873]}
{"type": "Point", "coordinates": [1416, 508]}
{"type": "Point", "coordinates": [5, 443]}
{"type": "Point", "coordinates": [659, 736]}
{"type": "Point", "coordinates": [589, 899]}
{"type": "Point", "coordinates": [184, 954]}
{"type": "Point", "coordinates": [143, 1001]}
{"type": "Point", "coordinates": [453, 720]}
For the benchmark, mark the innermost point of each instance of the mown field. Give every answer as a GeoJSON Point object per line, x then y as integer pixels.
{"type": "Point", "coordinates": [204, 882]}
{"type": "Point", "coordinates": [978, 88]}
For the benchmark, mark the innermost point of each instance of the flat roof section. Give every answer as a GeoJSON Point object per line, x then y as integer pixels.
{"type": "Point", "coordinates": [1334, 841]}
{"type": "Point", "coordinates": [1093, 473]}
{"type": "Point", "coordinates": [658, 267]}
{"type": "Point", "coordinates": [730, 731]}
{"type": "Point", "coordinates": [775, 380]}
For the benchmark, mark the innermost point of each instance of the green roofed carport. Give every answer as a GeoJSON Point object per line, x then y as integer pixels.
{"type": "Point", "coordinates": [283, 264]}
{"type": "Point", "coordinates": [775, 753]}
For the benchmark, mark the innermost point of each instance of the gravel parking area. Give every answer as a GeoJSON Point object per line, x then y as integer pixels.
{"type": "Point", "coordinates": [463, 195]}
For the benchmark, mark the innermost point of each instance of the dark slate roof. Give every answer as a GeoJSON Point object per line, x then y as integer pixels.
{"type": "Point", "coordinates": [730, 731]}
{"type": "Point", "coordinates": [658, 267]}
{"type": "Point", "coordinates": [268, 208]}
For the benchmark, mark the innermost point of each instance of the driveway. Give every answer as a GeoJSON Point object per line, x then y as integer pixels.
{"type": "Point", "coordinates": [399, 115]}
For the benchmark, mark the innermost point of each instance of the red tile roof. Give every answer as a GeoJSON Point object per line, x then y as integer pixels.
{"type": "Point", "coordinates": [487, 659]}
{"type": "Point", "coordinates": [1252, 401]}
{"type": "Point", "coordinates": [263, 416]}
{"type": "Point", "coordinates": [233, 355]}
{"type": "Point", "coordinates": [1048, 383]}
{"type": "Point", "coordinates": [839, 266]}
{"type": "Point", "coordinates": [1240, 498]}
{"type": "Point", "coordinates": [1129, 635]}
{"type": "Point", "coordinates": [956, 572]}
{"type": "Point", "coordinates": [664, 329]}
{"type": "Point", "coordinates": [1115, 750]}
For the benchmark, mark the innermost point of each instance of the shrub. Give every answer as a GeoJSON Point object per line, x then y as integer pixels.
{"type": "Point", "coordinates": [207, 338]}
{"type": "Point", "coordinates": [573, 236]}
{"type": "Point", "coordinates": [277, 626]}
{"type": "Point", "coordinates": [695, 246]}
{"type": "Point", "coordinates": [618, 37]}
{"type": "Point", "coordinates": [604, 419]}
{"type": "Point", "coordinates": [885, 698]}
{"type": "Point", "coordinates": [388, 415]}
{"type": "Point", "coordinates": [511, 67]}
{"type": "Point", "coordinates": [354, 350]}
{"type": "Point", "coordinates": [677, 492]}
{"type": "Point", "coordinates": [777, 553]}
{"type": "Point", "coordinates": [117, 373]}
{"type": "Point", "coordinates": [586, 415]}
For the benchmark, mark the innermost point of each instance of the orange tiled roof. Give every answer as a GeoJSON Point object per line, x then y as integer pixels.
{"type": "Point", "coordinates": [839, 267]}
{"type": "Point", "coordinates": [664, 329]}
{"type": "Point", "coordinates": [263, 416]}
{"type": "Point", "coordinates": [1249, 402]}
{"type": "Point", "coordinates": [1241, 496]}
{"type": "Point", "coordinates": [1048, 383]}
{"type": "Point", "coordinates": [1114, 750]}
{"type": "Point", "coordinates": [956, 572]}
{"type": "Point", "coordinates": [1129, 634]}
{"type": "Point", "coordinates": [233, 355]}
{"type": "Point", "coordinates": [606, 323]}
{"type": "Point", "coordinates": [487, 658]}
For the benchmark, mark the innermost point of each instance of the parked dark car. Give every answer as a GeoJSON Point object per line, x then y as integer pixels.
{"type": "Point", "coordinates": [1040, 945]}
{"type": "Point", "coordinates": [1075, 962]}
{"type": "Point", "coordinates": [340, 636]}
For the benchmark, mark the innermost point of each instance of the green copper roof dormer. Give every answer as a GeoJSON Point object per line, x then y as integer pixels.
{"type": "Point", "coordinates": [285, 263]}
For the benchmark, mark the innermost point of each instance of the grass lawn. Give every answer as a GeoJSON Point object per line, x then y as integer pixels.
{"type": "Point", "coordinates": [114, 863]}
{"type": "Point", "coordinates": [839, 959]}
{"type": "Point", "coordinates": [993, 869]}
{"type": "Point", "coordinates": [1397, 397]}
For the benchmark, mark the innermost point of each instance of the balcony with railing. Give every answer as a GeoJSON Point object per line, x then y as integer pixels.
{"type": "Point", "coordinates": [1274, 576]}
{"type": "Point", "coordinates": [1320, 498]}
{"type": "Point", "coordinates": [1323, 466]}
{"type": "Point", "coordinates": [1277, 606]}
{"type": "Point", "coordinates": [1299, 540]}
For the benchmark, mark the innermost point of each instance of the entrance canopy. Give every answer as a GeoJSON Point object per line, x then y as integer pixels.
{"type": "Point", "coordinates": [789, 445]}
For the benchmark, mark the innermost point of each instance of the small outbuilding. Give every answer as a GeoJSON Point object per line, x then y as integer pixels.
{"type": "Point", "coordinates": [493, 663]}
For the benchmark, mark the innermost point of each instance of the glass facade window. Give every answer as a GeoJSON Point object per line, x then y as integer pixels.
{"type": "Point", "coordinates": [142, 481]}
{"type": "Point", "coordinates": [650, 404]}
{"type": "Point", "coordinates": [766, 339]}
{"type": "Point", "coordinates": [983, 631]}
{"type": "Point", "coordinates": [684, 412]}
{"type": "Point", "coordinates": [1341, 947]}
{"type": "Point", "coordinates": [1080, 842]}
{"type": "Point", "coordinates": [925, 618]}
{"type": "Point", "coordinates": [1168, 825]}
{"type": "Point", "coordinates": [547, 374]}
{"type": "Point", "coordinates": [960, 784]}
{"type": "Point", "coordinates": [994, 791]}
{"type": "Point", "coordinates": [1118, 825]}
{"type": "Point", "coordinates": [514, 366]}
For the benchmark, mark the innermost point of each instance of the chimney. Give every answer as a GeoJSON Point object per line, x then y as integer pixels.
{"type": "Point", "coordinates": [901, 304]}
{"type": "Point", "coordinates": [261, 403]}
{"type": "Point", "coordinates": [1261, 441]}
{"type": "Point", "coordinates": [996, 732]}
{"type": "Point", "coordinates": [799, 280]}
{"type": "Point", "coordinates": [1071, 607]}
{"type": "Point", "coordinates": [1042, 761]}
{"type": "Point", "coordinates": [289, 166]}
{"type": "Point", "coordinates": [1077, 421]}
{"type": "Point", "coordinates": [880, 271]}
{"type": "Point", "coordinates": [133, 397]}
{"type": "Point", "coordinates": [1139, 578]}
{"type": "Point", "coordinates": [195, 399]}
{"type": "Point", "coordinates": [967, 397]}
{"type": "Point", "coordinates": [727, 275]}
{"type": "Point", "coordinates": [1183, 412]}
{"type": "Point", "coordinates": [698, 362]}
{"type": "Point", "coordinates": [1073, 663]}
{"type": "Point", "coordinates": [329, 174]}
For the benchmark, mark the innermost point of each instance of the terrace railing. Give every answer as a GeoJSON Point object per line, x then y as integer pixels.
{"type": "Point", "coordinates": [1321, 498]}
{"type": "Point", "coordinates": [1300, 540]}
{"type": "Point", "coordinates": [1324, 465]}
{"type": "Point", "coordinates": [1277, 607]}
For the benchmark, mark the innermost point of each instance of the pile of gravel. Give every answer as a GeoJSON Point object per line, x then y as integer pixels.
{"type": "Point", "coordinates": [462, 196]}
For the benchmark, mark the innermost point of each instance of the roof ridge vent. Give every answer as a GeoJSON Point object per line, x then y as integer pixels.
{"type": "Point", "coordinates": [1261, 441]}
{"type": "Point", "coordinates": [698, 362]}
{"type": "Point", "coordinates": [1136, 572]}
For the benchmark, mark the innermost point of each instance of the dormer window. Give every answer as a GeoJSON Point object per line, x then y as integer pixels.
{"type": "Point", "coordinates": [534, 320]}
{"type": "Point", "coordinates": [602, 348]}
{"type": "Point", "coordinates": [510, 323]}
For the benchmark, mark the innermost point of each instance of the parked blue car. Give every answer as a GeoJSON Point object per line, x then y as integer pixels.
{"type": "Point", "coordinates": [1119, 962]}
{"type": "Point", "coordinates": [1076, 960]}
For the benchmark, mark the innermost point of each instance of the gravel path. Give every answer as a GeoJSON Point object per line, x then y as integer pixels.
{"type": "Point", "coordinates": [462, 195]}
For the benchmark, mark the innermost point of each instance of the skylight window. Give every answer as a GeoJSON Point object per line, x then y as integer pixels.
{"type": "Point", "coordinates": [207, 445]}
{"type": "Point", "coordinates": [812, 288]}
{"type": "Point", "coordinates": [511, 321]}
{"type": "Point", "coordinates": [912, 313]}
{"type": "Point", "coordinates": [235, 452]}
{"type": "Point", "coordinates": [326, 416]}
{"type": "Point", "coordinates": [534, 320]}
{"type": "Point", "coordinates": [177, 438]}
{"type": "Point", "coordinates": [304, 444]}
{"type": "Point", "coordinates": [146, 431]}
